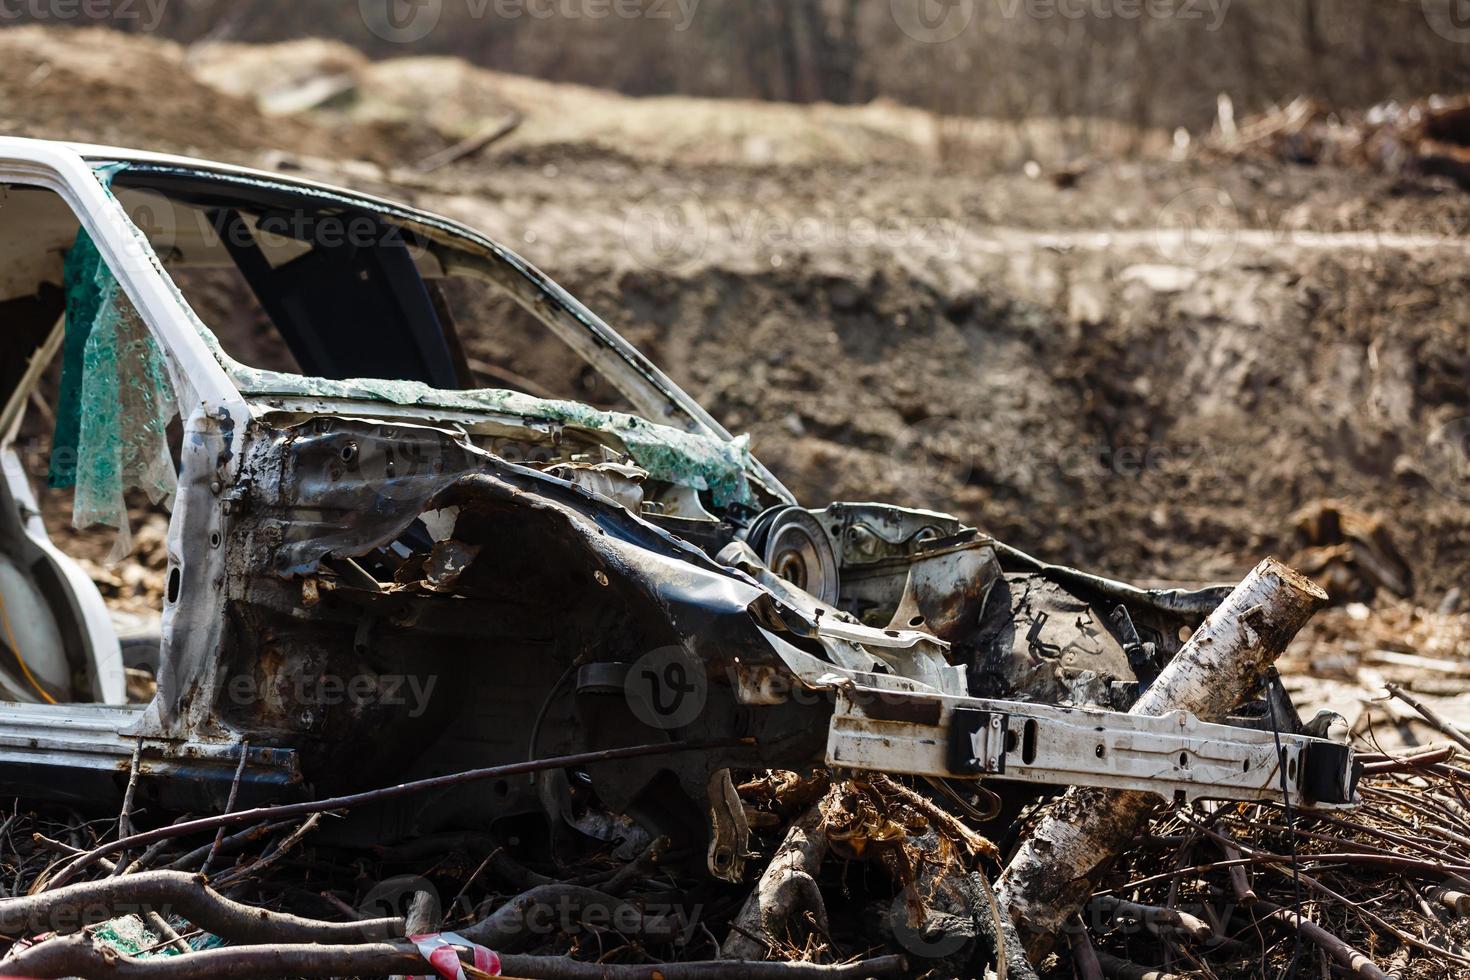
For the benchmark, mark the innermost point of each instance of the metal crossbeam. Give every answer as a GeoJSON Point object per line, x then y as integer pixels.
{"type": "Point", "coordinates": [1171, 755]}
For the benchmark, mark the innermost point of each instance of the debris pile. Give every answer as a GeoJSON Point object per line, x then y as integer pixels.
{"type": "Point", "coordinates": [1266, 890]}
{"type": "Point", "coordinates": [862, 877]}
{"type": "Point", "coordinates": [135, 586]}
{"type": "Point", "coordinates": [1425, 138]}
{"type": "Point", "coordinates": [1348, 655]}
{"type": "Point", "coordinates": [1350, 554]}
{"type": "Point", "coordinates": [826, 873]}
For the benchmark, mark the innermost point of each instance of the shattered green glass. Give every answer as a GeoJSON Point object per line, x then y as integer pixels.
{"type": "Point", "coordinates": [128, 935]}
{"type": "Point", "coordinates": [668, 454]}
{"type": "Point", "coordinates": [82, 302]}
{"type": "Point", "coordinates": [116, 401]}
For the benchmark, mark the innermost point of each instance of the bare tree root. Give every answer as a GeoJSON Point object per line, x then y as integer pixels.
{"type": "Point", "coordinates": [230, 844]}
{"type": "Point", "coordinates": [1084, 957]}
{"type": "Point", "coordinates": [974, 844]}
{"type": "Point", "coordinates": [999, 934]}
{"type": "Point", "coordinates": [237, 875]}
{"type": "Point", "coordinates": [177, 893]}
{"type": "Point", "coordinates": [563, 968]}
{"type": "Point", "coordinates": [787, 887]}
{"type": "Point", "coordinates": [78, 956]}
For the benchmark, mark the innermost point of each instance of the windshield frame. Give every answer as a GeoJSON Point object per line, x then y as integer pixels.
{"type": "Point", "coordinates": [655, 396]}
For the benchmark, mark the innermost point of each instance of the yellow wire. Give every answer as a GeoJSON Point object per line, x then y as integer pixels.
{"type": "Point", "coordinates": [10, 638]}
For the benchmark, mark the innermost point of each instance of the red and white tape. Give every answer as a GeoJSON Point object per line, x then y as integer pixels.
{"type": "Point", "coordinates": [438, 949]}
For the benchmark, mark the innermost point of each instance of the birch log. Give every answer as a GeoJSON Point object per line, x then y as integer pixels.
{"type": "Point", "coordinates": [1057, 867]}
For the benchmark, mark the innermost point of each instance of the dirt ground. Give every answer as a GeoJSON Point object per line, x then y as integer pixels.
{"type": "Point", "coordinates": [1145, 364]}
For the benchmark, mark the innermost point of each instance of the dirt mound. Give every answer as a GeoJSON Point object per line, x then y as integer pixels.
{"type": "Point", "coordinates": [456, 100]}
{"type": "Point", "coordinates": [1175, 448]}
{"type": "Point", "coordinates": [255, 71]}
{"type": "Point", "coordinates": [324, 99]}
{"type": "Point", "coordinates": [97, 85]}
{"type": "Point", "coordinates": [1082, 381]}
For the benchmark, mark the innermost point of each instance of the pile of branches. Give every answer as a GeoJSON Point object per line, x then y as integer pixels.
{"type": "Point", "coordinates": [846, 876]}
{"type": "Point", "coordinates": [260, 893]}
{"type": "Point", "coordinates": [1269, 890]}
{"type": "Point", "coordinates": [1431, 137]}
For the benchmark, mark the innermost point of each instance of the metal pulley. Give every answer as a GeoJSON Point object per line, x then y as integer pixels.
{"type": "Point", "coordinates": [794, 545]}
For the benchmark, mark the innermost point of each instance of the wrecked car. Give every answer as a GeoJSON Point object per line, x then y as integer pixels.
{"type": "Point", "coordinates": [388, 559]}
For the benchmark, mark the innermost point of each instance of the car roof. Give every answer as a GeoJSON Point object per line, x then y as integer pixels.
{"type": "Point", "coordinates": [96, 153]}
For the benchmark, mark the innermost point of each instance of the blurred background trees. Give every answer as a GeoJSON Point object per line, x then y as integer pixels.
{"type": "Point", "coordinates": [1015, 59]}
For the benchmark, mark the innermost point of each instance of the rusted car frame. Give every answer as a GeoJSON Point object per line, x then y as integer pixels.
{"type": "Point", "coordinates": [549, 578]}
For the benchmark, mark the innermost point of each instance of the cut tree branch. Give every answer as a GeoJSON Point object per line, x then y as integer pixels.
{"type": "Point", "coordinates": [1430, 715]}
{"type": "Point", "coordinates": [78, 956]}
{"type": "Point", "coordinates": [176, 893]}
{"type": "Point", "coordinates": [1348, 958]}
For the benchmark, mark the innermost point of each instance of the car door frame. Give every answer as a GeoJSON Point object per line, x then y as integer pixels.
{"type": "Point", "coordinates": [209, 403]}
